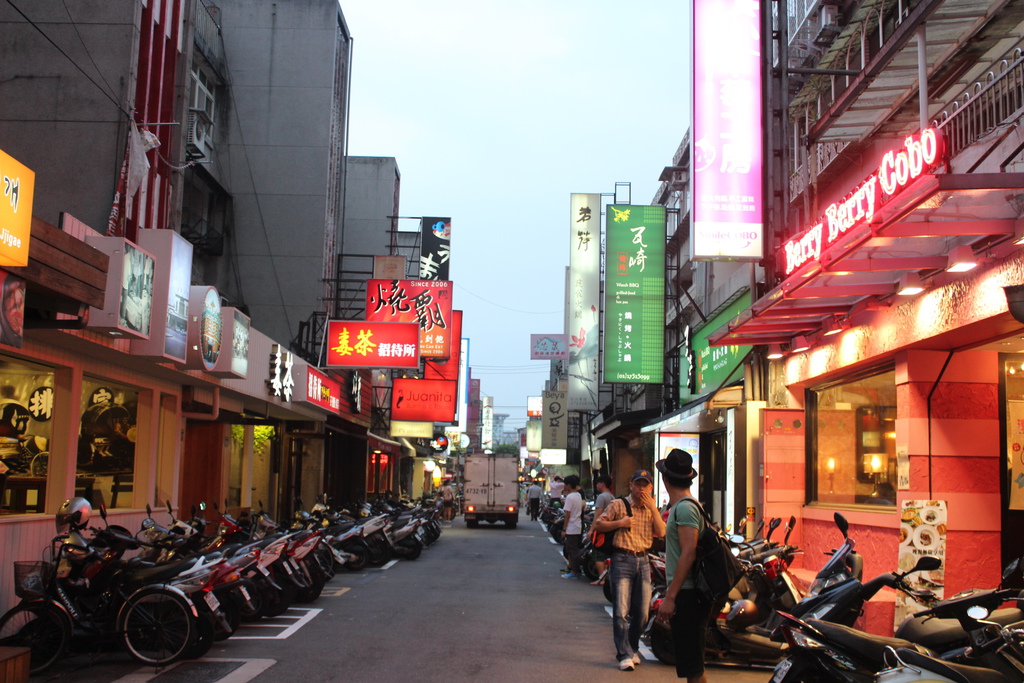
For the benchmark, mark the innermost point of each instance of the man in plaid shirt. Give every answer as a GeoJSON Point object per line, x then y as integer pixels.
{"type": "Point", "coordinates": [631, 568]}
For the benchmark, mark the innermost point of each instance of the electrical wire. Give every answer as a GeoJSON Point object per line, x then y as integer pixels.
{"type": "Point", "coordinates": [514, 310]}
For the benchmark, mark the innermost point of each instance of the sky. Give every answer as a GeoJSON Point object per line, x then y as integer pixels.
{"type": "Point", "coordinates": [497, 111]}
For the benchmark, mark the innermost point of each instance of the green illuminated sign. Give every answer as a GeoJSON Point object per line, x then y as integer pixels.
{"type": "Point", "coordinates": [713, 363]}
{"type": "Point", "coordinates": [634, 299]}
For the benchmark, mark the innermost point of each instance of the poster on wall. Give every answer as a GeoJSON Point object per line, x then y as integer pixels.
{"type": "Point", "coordinates": [12, 316]}
{"type": "Point", "coordinates": [666, 442]}
{"type": "Point", "coordinates": [922, 532]}
{"type": "Point", "coordinates": [1015, 453]}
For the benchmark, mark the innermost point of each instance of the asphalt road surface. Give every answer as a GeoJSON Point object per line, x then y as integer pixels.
{"type": "Point", "coordinates": [485, 604]}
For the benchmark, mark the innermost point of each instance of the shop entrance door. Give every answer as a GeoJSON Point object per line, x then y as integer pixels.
{"type": "Point", "coordinates": [713, 484]}
{"type": "Point", "coordinates": [1012, 487]}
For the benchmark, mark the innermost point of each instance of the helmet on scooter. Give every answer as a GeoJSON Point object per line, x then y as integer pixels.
{"type": "Point", "coordinates": [744, 613]}
{"type": "Point", "coordinates": [73, 514]}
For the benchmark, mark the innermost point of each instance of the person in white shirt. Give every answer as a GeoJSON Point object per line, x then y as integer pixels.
{"type": "Point", "coordinates": [533, 495]}
{"type": "Point", "coordinates": [573, 525]}
{"type": "Point", "coordinates": [555, 488]}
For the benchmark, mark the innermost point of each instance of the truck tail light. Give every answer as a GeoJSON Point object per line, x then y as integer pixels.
{"type": "Point", "coordinates": [511, 508]}
{"type": "Point", "coordinates": [470, 508]}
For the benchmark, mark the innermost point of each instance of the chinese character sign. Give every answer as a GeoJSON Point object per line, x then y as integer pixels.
{"type": "Point", "coordinates": [281, 382]}
{"type": "Point", "coordinates": [584, 300]}
{"type": "Point", "coordinates": [922, 532]}
{"type": "Point", "coordinates": [427, 303]}
{"type": "Point", "coordinates": [363, 344]}
{"type": "Point", "coordinates": [725, 156]}
{"type": "Point", "coordinates": [549, 347]}
{"type": "Point", "coordinates": [435, 248]}
{"type": "Point", "coordinates": [634, 303]}
{"type": "Point", "coordinates": [555, 433]}
{"type": "Point", "coordinates": [17, 183]}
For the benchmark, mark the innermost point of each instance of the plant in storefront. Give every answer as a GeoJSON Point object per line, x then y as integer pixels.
{"type": "Point", "coordinates": [261, 437]}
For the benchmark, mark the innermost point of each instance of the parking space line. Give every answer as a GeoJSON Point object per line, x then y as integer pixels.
{"type": "Point", "coordinates": [300, 621]}
{"type": "Point", "coordinates": [248, 670]}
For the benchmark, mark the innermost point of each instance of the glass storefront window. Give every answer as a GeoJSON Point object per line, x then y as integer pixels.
{"type": "Point", "coordinates": [106, 443]}
{"type": "Point", "coordinates": [853, 440]}
{"type": "Point", "coordinates": [26, 414]}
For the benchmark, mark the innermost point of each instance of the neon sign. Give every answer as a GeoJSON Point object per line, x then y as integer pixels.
{"type": "Point", "coordinates": [897, 169]}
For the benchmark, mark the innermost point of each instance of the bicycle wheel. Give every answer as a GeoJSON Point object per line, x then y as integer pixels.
{"type": "Point", "coordinates": [156, 626]}
{"type": "Point", "coordinates": [40, 626]}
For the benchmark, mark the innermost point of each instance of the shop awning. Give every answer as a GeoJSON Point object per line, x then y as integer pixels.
{"type": "Point", "coordinates": [911, 235]}
{"type": "Point", "coordinates": [384, 445]}
{"type": "Point", "coordinates": [625, 425]}
{"type": "Point", "coordinates": [697, 416]}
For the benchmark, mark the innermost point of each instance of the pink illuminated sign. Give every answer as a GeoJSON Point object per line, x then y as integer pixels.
{"type": "Point", "coordinates": [726, 158]}
{"type": "Point", "coordinates": [899, 166]}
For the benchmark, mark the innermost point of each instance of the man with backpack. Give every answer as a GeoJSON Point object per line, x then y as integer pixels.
{"type": "Point", "coordinates": [636, 522]}
{"type": "Point", "coordinates": [683, 607]}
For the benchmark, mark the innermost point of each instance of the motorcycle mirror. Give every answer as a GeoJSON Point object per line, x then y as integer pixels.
{"type": "Point", "coordinates": [103, 512]}
{"type": "Point", "coordinates": [1010, 570]}
{"type": "Point", "coordinates": [772, 526]}
{"type": "Point", "coordinates": [737, 539]}
{"type": "Point", "coordinates": [169, 509]}
{"type": "Point", "coordinates": [149, 511]}
{"type": "Point", "coordinates": [926, 563]}
{"type": "Point", "coordinates": [789, 528]}
{"type": "Point", "coordinates": [977, 612]}
{"type": "Point", "coordinates": [844, 526]}
{"type": "Point", "coordinates": [202, 506]}
{"type": "Point", "coordinates": [148, 523]}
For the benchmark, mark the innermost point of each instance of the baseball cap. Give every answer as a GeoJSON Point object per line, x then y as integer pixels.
{"type": "Point", "coordinates": [642, 474]}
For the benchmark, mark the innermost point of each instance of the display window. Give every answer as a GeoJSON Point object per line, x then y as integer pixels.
{"type": "Point", "coordinates": [26, 416]}
{"type": "Point", "coordinates": [852, 440]}
{"type": "Point", "coordinates": [106, 443]}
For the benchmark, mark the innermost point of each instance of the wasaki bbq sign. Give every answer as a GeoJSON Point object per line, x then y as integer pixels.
{"type": "Point", "coordinates": [900, 166]}
{"type": "Point", "coordinates": [364, 344]}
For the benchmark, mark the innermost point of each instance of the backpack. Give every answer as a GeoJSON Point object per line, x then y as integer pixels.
{"type": "Point", "coordinates": [716, 570]}
{"type": "Point", "coordinates": [603, 541]}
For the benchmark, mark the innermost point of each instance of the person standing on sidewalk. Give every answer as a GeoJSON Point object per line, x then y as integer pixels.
{"type": "Point", "coordinates": [533, 495]}
{"type": "Point", "coordinates": [631, 567]}
{"type": "Point", "coordinates": [603, 484]}
{"type": "Point", "coordinates": [683, 609]}
{"type": "Point", "coordinates": [573, 528]}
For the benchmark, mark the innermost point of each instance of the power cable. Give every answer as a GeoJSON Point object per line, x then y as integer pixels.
{"type": "Point", "coordinates": [85, 47]}
{"type": "Point", "coordinates": [514, 310]}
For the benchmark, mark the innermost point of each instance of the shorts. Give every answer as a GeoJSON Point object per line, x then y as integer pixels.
{"type": "Point", "coordinates": [449, 503]}
{"type": "Point", "coordinates": [689, 632]}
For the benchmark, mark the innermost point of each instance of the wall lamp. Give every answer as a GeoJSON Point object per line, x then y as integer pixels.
{"type": "Point", "coordinates": [799, 344]}
{"type": "Point", "coordinates": [961, 259]}
{"type": "Point", "coordinates": [774, 351]}
{"type": "Point", "coordinates": [909, 285]}
{"type": "Point", "coordinates": [834, 326]}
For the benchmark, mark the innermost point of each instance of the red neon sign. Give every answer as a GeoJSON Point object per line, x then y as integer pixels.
{"type": "Point", "coordinates": [898, 168]}
{"type": "Point", "coordinates": [364, 344]}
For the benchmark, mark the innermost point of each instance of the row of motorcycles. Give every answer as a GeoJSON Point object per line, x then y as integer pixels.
{"type": "Point", "coordinates": [188, 583]}
{"type": "Point", "coordinates": [807, 635]}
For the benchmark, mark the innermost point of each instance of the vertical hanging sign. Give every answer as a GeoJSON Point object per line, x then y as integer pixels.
{"type": "Point", "coordinates": [584, 299]}
{"type": "Point", "coordinates": [634, 298]}
{"type": "Point", "coordinates": [725, 155]}
{"type": "Point", "coordinates": [435, 248]}
{"type": "Point", "coordinates": [555, 432]}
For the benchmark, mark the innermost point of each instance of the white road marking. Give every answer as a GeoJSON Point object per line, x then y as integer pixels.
{"type": "Point", "coordinates": [300, 620]}
{"type": "Point", "coordinates": [645, 651]}
{"type": "Point", "coordinates": [250, 669]}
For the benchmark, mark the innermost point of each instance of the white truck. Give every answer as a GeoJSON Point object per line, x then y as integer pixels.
{"type": "Point", "coordinates": [491, 489]}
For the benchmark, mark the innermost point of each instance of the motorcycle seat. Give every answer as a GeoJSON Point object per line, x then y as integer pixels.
{"type": "Point", "coordinates": [868, 646]}
{"type": "Point", "coordinates": [959, 673]}
{"type": "Point", "coordinates": [157, 574]}
{"type": "Point", "coordinates": [943, 635]}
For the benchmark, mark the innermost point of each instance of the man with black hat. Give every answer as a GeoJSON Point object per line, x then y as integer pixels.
{"type": "Point", "coordinates": [682, 606]}
{"type": "Point", "coordinates": [635, 529]}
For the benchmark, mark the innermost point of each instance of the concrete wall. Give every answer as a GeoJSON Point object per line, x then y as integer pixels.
{"type": "Point", "coordinates": [371, 195]}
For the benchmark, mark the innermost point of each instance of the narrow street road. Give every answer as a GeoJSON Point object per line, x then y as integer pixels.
{"type": "Point", "coordinates": [486, 605]}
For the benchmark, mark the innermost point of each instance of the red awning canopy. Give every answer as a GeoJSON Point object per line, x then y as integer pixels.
{"type": "Point", "coordinates": [914, 232]}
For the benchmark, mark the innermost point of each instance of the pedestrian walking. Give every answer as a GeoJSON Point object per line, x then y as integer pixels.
{"type": "Point", "coordinates": [533, 495]}
{"type": "Point", "coordinates": [573, 526]}
{"type": "Point", "coordinates": [603, 484]}
{"type": "Point", "coordinates": [448, 500]}
{"type": "Point", "coordinates": [683, 608]}
{"type": "Point", "coordinates": [631, 567]}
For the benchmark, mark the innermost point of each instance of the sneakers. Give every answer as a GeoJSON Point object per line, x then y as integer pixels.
{"type": "Point", "coordinates": [626, 665]}
{"type": "Point", "coordinates": [570, 575]}
{"type": "Point", "coordinates": [636, 659]}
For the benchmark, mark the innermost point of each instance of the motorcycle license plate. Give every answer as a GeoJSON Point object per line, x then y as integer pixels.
{"type": "Point", "coordinates": [245, 593]}
{"type": "Point", "coordinates": [781, 669]}
{"type": "Point", "coordinates": [263, 570]}
{"type": "Point", "coordinates": [288, 567]}
{"type": "Point", "coordinates": [212, 601]}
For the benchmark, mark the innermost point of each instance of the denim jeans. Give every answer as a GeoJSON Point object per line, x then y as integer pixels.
{"type": "Point", "coordinates": [631, 592]}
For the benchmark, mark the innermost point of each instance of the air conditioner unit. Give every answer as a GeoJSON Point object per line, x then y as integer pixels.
{"type": "Point", "coordinates": [197, 138]}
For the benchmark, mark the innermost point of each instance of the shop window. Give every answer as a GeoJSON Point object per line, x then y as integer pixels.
{"type": "Point", "coordinates": [853, 441]}
{"type": "Point", "coordinates": [106, 443]}
{"type": "Point", "coordinates": [26, 414]}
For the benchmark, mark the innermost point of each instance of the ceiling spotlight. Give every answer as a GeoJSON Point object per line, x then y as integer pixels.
{"type": "Point", "coordinates": [799, 344]}
{"type": "Point", "coordinates": [961, 259]}
{"type": "Point", "coordinates": [910, 284]}
{"type": "Point", "coordinates": [774, 351]}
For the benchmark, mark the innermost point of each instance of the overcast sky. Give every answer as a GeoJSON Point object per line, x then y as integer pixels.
{"type": "Point", "coordinates": [496, 111]}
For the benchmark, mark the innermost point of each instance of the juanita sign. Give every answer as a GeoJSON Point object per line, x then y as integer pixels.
{"type": "Point", "coordinates": [898, 167]}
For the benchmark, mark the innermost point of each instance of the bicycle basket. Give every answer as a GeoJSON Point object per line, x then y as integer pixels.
{"type": "Point", "coordinates": [31, 578]}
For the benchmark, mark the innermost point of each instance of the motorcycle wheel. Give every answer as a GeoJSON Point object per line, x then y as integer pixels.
{"type": "Point", "coordinates": [39, 626]}
{"type": "Point", "coordinates": [661, 644]}
{"type": "Point", "coordinates": [590, 568]}
{"type": "Point", "coordinates": [317, 582]}
{"type": "Point", "coordinates": [232, 616]}
{"type": "Point", "coordinates": [156, 626]}
{"type": "Point", "coordinates": [360, 558]}
{"type": "Point", "coordinates": [281, 600]}
{"type": "Point", "coordinates": [413, 551]}
{"type": "Point", "coordinates": [202, 639]}
{"type": "Point", "coordinates": [380, 555]}
{"type": "Point", "coordinates": [556, 531]}
{"type": "Point", "coordinates": [257, 600]}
